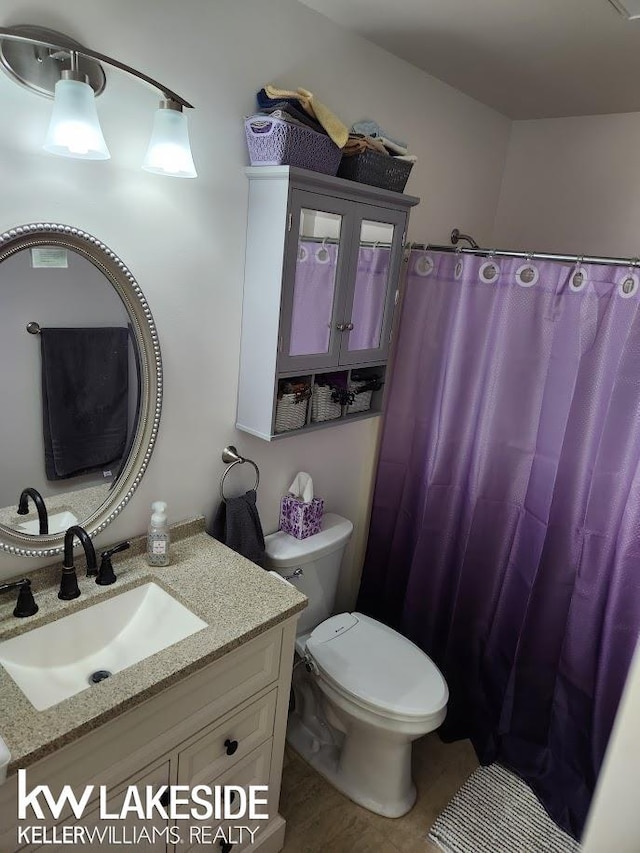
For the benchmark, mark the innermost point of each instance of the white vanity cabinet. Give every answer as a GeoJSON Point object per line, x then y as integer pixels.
{"type": "Point", "coordinates": [222, 725]}
{"type": "Point", "coordinates": [322, 267]}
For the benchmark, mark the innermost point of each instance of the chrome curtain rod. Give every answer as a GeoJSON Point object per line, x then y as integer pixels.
{"type": "Point", "coordinates": [530, 256]}
{"type": "Point", "coordinates": [456, 236]}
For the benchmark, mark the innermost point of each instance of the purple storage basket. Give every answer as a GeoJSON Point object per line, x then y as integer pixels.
{"type": "Point", "coordinates": [274, 142]}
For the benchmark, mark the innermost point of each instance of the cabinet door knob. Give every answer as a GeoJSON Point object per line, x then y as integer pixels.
{"type": "Point", "coordinates": [348, 327]}
{"type": "Point", "coordinates": [341, 326]}
{"type": "Point", "coordinates": [231, 746]}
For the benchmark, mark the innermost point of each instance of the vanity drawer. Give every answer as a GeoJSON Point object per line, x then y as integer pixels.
{"type": "Point", "coordinates": [253, 769]}
{"type": "Point", "coordinates": [224, 746]}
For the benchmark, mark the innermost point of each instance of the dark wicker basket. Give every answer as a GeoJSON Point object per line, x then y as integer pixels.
{"type": "Point", "coordinates": [389, 173]}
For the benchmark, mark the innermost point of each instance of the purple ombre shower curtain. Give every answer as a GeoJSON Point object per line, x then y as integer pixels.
{"type": "Point", "coordinates": [505, 532]}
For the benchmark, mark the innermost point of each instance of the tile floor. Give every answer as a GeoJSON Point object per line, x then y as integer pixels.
{"type": "Point", "coordinates": [321, 820]}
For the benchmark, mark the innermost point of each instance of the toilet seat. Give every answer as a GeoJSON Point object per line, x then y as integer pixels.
{"type": "Point", "coordinates": [377, 668]}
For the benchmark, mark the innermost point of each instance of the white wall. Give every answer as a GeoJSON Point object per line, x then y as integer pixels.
{"type": "Point", "coordinates": [184, 240]}
{"type": "Point", "coordinates": [572, 185]}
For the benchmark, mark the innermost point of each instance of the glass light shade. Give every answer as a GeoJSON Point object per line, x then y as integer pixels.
{"type": "Point", "coordinates": [169, 151]}
{"type": "Point", "coordinates": [74, 129]}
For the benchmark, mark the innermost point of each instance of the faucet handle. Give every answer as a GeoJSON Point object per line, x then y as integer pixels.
{"type": "Point", "coordinates": [26, 604]}
{"type": "Point", "coordinates": [106, 575]}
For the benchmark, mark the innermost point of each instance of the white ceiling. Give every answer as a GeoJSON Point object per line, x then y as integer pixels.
{"type": "Point", "coordinates": [526, 58]}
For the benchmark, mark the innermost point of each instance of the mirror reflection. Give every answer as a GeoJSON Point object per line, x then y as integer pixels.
{"type": "Point", "coordinates": [69, 386]}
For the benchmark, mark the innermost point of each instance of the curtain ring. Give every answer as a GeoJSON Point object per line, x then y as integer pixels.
{"type": "Point", "coordinates": [323, 253]}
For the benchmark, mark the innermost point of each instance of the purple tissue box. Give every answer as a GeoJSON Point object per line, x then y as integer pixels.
{"type": "Point", "coordinates": [300, 519]}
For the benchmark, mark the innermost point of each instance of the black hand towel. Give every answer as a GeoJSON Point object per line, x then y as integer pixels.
{"type": "Point", "coordinates": [85, 398]}
{"type": "Point", "coordinates": [237, 525]}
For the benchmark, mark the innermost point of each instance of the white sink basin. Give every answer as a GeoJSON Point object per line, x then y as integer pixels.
{"type": "Point", "coordinates": [55, 661]}
{"type": "Point", "coordinates": [58, 523]}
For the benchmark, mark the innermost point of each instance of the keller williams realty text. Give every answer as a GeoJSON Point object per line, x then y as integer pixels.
{"type": "Point", "coordinates": [125, 835]}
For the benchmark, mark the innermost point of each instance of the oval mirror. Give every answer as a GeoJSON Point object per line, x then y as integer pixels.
{"type": "Point", "coordinates": [81, 385]}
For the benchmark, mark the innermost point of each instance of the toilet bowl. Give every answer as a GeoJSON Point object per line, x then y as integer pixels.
{"type": "Point", "coordinates": [362, 692]}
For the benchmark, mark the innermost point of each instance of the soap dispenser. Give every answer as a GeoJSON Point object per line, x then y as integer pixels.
{"type": "Point", "coordinates": [158, 536]}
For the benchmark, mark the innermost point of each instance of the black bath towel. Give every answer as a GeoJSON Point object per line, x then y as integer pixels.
{"type": "Point", "coordinates": [237, 525]}
{"type": "Point", "coordinates": [85, 399]}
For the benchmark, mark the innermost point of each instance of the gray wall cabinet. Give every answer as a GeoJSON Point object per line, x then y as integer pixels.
{"type": "Point", "coordinates": [322, 266]}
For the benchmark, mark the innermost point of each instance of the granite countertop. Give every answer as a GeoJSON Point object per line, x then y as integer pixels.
{"type": "Point", "coordinates": [237, 599]}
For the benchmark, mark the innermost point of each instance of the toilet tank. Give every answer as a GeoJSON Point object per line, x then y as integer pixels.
{"type": "Point", "coordinates": [319, 557]}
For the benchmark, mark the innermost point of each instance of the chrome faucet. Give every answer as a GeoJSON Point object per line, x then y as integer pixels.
{"type": "Point", "coordinates": [23, 507]}
{"type": "Point", "coordinates": [69, 582]}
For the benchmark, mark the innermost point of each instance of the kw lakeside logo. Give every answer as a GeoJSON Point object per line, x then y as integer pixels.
{"type": "Point", "coordinates": [147, 803]}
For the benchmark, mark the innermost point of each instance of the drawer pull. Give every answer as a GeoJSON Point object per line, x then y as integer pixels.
{"type": "Point", "coordinates": [231, 746]}
{"type": "Point", "coordinates": [226, 846]}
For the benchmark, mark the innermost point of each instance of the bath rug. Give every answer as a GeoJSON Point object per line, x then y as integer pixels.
{"type": "Point", "coordinates": [496, 812]}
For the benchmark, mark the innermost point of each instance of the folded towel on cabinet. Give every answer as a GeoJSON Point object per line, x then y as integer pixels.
{"type": "Point", "coordinates": [368, 127]}
{"type": "Point", "coordinates": [315, 108]}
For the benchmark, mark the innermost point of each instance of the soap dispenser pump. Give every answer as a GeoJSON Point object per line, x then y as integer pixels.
{"type": "Point", "coordinates": [158, 537]}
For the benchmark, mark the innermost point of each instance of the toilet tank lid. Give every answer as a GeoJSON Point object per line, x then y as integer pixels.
{"type": "Point", "coordinates": [284, 550]}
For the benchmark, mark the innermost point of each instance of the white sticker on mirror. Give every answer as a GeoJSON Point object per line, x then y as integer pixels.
{"type": "Point", "coordinates": [527, 275]}
{"type": "Point", "coordinates": [489, 272]}
{"type": "Point", "coordinates": [628, 287]}
{"type": "Point", "coordinates": [49, 257]}
{"type": "Point", "coordinates": [425, 265]}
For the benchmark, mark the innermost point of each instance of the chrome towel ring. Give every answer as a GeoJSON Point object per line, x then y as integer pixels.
{"type": "Point", "coordinates": [231, 457]}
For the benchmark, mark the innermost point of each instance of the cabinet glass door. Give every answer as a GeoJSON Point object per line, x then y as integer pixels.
{"type": "Point", "coordinates": [315, 282]}
{"type": "Point", "coordinates": [315, 264]}
{"type": "Point", "coordinates": [370, 293]}
{"type": "Point", "coordinates": [375, 279]}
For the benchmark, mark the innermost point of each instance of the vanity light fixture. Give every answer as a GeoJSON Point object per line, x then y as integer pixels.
{"type": "Point", "coordinates": [169, 152]}
{"type": "Point", "coordinates": [74, 129]}
{"type": "Point", "coordinates": [54, 65]}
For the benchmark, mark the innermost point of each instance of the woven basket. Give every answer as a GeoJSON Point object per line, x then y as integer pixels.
{"type": "Point", "coordinates": [323, 407]}
{"type": "Point", "coordinates": [274, 142]}
{"type": "Point", "coordinates": [291, 412]}
{"type": "Point", "coordinates": [362, 399]}
{"type": "Point", "coordinates": [376, 169]}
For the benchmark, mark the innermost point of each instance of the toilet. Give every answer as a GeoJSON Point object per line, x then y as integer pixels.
{"type": "Point", "coordinates": [362, 693]}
